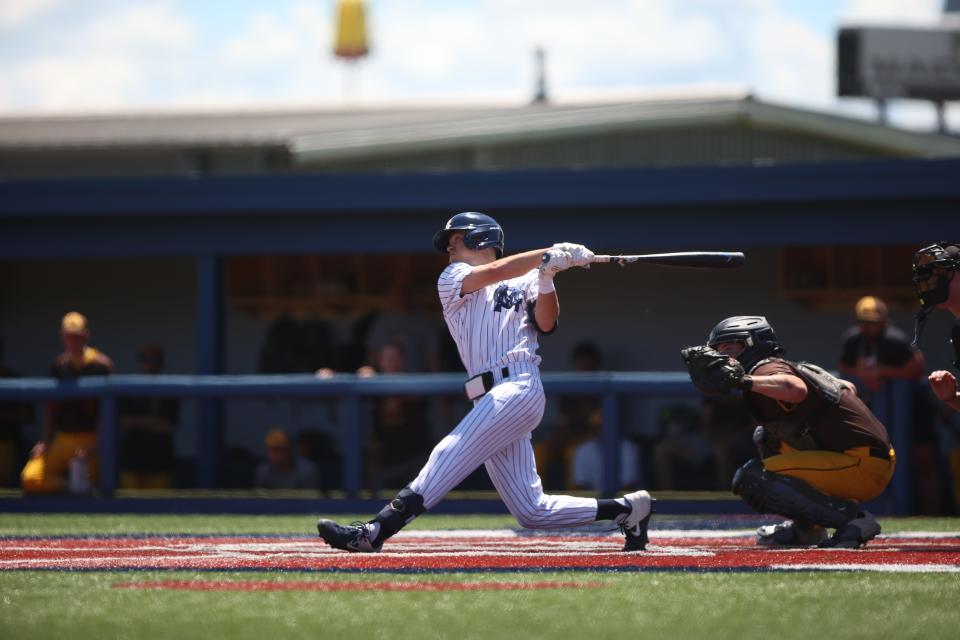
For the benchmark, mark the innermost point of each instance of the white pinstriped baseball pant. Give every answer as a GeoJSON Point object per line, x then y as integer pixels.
{"type": "Point", "coordinates": [496, 433]}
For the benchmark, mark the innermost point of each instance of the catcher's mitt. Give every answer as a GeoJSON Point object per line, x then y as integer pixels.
{"type": "Point", "coordinates": [714, 373]}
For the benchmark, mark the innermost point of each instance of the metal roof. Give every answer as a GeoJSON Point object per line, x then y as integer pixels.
{"type": "Point", "coordinates": [322, 135]}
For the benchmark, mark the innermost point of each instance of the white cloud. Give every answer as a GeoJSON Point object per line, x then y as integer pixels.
{"type": "Point", "coordinates": [105, 62]}
{"type": "Point", "coordinates": [69, 84]}
{"type": "Point", "coordinates": [17, 13]}
{"type": "Point", "coordinates": [266, 41]}
{"type": "Point", "coordinates": [154, 25]}
{"type": "Point", "coordinates": [789, 61]}
{"type": "Point", "coordinates": [490, 45]}
{"type": "Point", "coordinates": [147, 53]}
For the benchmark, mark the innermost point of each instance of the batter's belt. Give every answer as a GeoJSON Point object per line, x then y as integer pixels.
{"type": "Point", "coordinates": [481, 384]}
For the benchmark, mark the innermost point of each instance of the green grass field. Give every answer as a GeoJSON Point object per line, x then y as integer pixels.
{"type": "Point", "coordinates": [79, 605]}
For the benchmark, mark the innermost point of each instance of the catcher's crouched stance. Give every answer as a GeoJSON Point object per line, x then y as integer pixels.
{"type": "Point", "coordinates": [823, 451]}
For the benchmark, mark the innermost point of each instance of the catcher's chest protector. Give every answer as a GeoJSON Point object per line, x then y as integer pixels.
{"type": "Point", "coordinates": [823, 390]}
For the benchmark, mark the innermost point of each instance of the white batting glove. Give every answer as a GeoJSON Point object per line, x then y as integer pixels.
{"type": "Point", "coordinates": [554, 261]}
{"type": "Point", "coordinates": [579, 254]}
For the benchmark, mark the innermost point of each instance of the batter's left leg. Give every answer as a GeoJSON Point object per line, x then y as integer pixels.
{"type": "Point", "coordinates": [513, 471]}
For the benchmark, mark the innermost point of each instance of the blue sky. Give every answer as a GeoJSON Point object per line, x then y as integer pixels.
{"type": "Point", "coordinates": [79, 56]}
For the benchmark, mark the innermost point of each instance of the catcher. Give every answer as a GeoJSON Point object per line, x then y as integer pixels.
{"type": "Point", "coordinates": [823, 451]}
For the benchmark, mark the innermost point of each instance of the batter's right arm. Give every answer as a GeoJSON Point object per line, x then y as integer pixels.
{"type": "Point", "coordinates": [503, 269]}
{"type": "Point", "coordinates": [547, 309]}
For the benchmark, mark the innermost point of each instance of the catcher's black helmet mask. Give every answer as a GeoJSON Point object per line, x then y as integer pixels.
{"type": "Point", "coordinates": [754, 332]}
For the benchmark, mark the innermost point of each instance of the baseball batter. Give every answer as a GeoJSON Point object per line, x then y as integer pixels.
{"type": "Point", "coordinates": [495, 309]}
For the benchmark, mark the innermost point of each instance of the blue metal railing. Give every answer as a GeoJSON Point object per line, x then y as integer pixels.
{"type": "Point", "coordinates": [892, 407]}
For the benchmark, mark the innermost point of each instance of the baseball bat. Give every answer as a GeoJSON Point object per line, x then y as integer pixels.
{"type": "Point", "coordinates": [694, 259]}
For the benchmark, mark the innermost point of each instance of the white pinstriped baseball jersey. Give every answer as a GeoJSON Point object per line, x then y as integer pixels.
{"type": "Point", "coordinates": [493, 329]}
{"type": "Point", "coordinates": [492, 326]}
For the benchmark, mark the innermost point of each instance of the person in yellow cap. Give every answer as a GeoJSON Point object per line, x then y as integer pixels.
{"type": "Point", "coordinates": [70, 426]}
{"type": "Point", "coordinates": [875, 351]}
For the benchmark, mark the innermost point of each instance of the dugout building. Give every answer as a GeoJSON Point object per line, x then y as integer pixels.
{"type": "Point", "coordinates": [204, 232]}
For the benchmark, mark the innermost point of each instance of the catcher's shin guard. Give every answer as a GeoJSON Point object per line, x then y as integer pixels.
{"type": "Point", "coordinates": [398, 513]}
{"type": "Point", "coordinates": [769, 492]}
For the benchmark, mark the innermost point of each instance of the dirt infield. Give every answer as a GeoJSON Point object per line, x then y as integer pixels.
{"type": "Point", "coordinates": [474, 551]}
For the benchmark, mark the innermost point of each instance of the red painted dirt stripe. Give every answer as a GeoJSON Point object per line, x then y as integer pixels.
{"type": "Point", "coordinates": [413, 553]}
{"type": "Point", "coordinates": [293, 585]}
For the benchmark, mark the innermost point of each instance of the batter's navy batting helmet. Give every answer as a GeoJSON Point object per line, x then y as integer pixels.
{"type": "Point", "coordinates": [482, 231]}
{"type": "Point", "coordinates": [756, 334]}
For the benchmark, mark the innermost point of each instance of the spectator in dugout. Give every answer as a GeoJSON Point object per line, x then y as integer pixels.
{"type": "Point", "coordinates": [146, 431]}
{"type": "Point", "coordinates": [13, 415]}
{"type": "Point", "coordinates": [282, 469]}
{"type": "Point", "coordinates": [874, 353]}
{"type": "Point", "coordinates": [575, 426]}
{"type": "Point", "coordinates": [400, 435]}
{"type": "Point", "coordinates": [70, 426]}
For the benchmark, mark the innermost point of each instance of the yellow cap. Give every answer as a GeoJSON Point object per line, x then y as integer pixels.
{"type": "Point", "coordinates": [277, 437]}
{"type": "Point", "coordinates": [871, 309]}
{"type": "Point", "coordinates": [74, 323]}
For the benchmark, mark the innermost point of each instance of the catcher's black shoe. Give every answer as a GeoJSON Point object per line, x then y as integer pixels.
{"type": "Point", "coordinates": [854, 534]}
{"type": "Point", "coordinates": [634, 526]}
{"type": "Point", "coordinates": [790, 534]}
{"type": "Point", "coordinates": [355, 538]}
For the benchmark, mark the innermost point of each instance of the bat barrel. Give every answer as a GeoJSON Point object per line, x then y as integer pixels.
{"type": "Point", "coordinates": [693, 259]}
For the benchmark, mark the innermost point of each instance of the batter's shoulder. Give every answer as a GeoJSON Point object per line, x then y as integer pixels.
{"type": "Point", "coordinates": [455, 271]}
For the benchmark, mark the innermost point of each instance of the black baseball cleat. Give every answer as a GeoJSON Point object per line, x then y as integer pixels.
{"type": "Point", "coordinates": [790, 534]}
{"type": "Point", "coordinates": [355, 538]}
{"type": "Point", "coordinates": [854, 534]}
{"type": "Point", "coordinates": [634, 526]}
